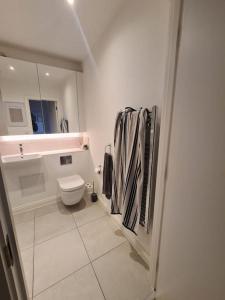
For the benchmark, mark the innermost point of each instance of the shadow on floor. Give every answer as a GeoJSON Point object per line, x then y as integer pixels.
{"type": "Point", "coordinates": [73, 208]}
{"type": "Point", "coordinates": [135, 256]}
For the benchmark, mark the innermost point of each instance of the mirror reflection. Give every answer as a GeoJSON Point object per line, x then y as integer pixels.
{"type": "Point", "coordinates": [18, 82]}
{"type": "Point", "coordinates": [37, 99]}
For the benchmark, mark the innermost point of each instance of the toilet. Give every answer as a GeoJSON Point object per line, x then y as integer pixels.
{"type": "Point", "coordinates": [72, 189]}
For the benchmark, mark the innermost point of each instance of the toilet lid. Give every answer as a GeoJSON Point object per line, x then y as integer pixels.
{"type": "Point", "coordinates": [70, 183]}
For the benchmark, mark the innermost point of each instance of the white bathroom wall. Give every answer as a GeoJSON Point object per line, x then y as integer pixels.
{"type": "Point", "coordinates": [126, 68]}
{"type": "Point", "coordinates": [191, 260]}
{"type": "Point", "coordinates": [30, 184]}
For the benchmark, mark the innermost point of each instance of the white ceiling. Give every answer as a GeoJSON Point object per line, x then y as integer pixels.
{"type": "Point", "coordinates": [96, 16]}
{"type": "Point", "coordinates": [50, 26]}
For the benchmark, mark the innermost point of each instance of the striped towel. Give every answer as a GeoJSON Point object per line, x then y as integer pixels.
{"type": "Point", "coordinates": [129, 166]}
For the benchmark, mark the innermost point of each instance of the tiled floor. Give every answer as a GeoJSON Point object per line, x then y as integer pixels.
{"type": "Point", "coordinates": [78, 253]}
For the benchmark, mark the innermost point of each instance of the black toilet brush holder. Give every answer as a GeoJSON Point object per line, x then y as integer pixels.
{"type": "Point", "coordinates": [94, 196]}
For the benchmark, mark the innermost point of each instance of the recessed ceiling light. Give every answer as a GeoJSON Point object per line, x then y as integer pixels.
{"type": "Point", "coordinates": [71, 2]}
{"type": "Point", "coordinates": [47, 74]}
{"type": "Point", "coordinates": [11, 68]}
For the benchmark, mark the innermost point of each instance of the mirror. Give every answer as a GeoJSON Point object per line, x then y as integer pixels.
{"type": "Point", "coordinates": [58, 90]}
{"type": "Point", "coordinates": [18, 82]}
{"type": "Point", "coordinates": [37, 99]}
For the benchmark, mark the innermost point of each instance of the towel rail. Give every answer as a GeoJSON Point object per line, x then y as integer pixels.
{"type": "Point", "coordinates": [109, 146]}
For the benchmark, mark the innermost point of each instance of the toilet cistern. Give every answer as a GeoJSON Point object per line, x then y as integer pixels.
{"type": "Point", "coordinates": [21, 150]}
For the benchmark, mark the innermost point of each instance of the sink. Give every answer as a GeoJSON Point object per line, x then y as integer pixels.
{"type": "Point", "coordinates": [11, 159]}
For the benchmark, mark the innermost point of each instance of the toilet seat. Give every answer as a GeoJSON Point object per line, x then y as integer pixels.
{"type": "Point", "coordinates": [70, 183]}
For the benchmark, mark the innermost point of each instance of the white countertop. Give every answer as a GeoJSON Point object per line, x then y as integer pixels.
{"type": "Point", "coordinates": [61, 151]}
{"type": "Point", "coordinates": [49, 152]}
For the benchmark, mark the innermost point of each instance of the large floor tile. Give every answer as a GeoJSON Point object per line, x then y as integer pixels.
{"type": "Point", "coordinates": [123, 274]}
{"type": "Point", "coordinates": [23, 217]}
{"type": "Point", "coordinates": [51, 208]}
{"type": "Point", "coordinates": [25, 234]}
{"type": "Point", "coordinates": [51, 225]}
{"type": "Point", "coordinates": [27, 260]}
{"type": "Point", "coordinates": [88, 214]}
{"type": "Point", "coordinates": [81, 285]}
{"type": "Point", "coordinates": [100, 236]}
{"type": "Point", "coordinates": [57, 258]}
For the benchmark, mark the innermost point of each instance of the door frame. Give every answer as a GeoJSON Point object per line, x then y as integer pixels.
{"type": "Point", "coordinates": [14, 276]}
{"type": "Point", "coordinates": [165, 134]}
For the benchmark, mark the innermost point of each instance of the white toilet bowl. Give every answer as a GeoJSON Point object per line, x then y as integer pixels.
{"type": "Point", "coordinates": [72, 189]}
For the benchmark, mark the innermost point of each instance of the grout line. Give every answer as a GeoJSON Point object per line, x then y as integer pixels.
{"type": "Point", "coordinates": [92, 221]}
{"type": "Point", "coordinates": [75, 228]}
{"type": "Point", "coordinates": [22, 213]}
{"type": "Point", "coordinates": [55, 236]}
{"type": "Point", "coordinates": [58, 281]}
{"type": "Point", "coordinates": [58, 234]}
{"type": "Point", "coordinates": [74, 221]}
{"type": "Point", "coordinates": [93, 260]}
{"type": "Point", "coordinates": [115, 224]}
{"type": "Point", "coordinates": [54, 210]}
{"type": "Point", "coordinates": [26, 248]}
{"type": "Point", "coordinates": [47, 213]}
{"type": "Point", "coordinates": [92, 265]}
{"type": "Point", "coordinates": [98, 281]}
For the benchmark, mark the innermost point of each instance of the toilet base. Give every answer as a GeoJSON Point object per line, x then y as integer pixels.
{"type": "Point", "coordinates": [72, 197]}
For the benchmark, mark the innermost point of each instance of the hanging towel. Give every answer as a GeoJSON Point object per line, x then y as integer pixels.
{"type": "Point", "coordinates": [153, 158]}
{"type": "Point", "coordinates": [107, 175]}
{"type": "Point", "coordinates": [119, 165]}
{"type": "Point", "coordinates": [129, 160]}
{"type": "Point", "coordinates": [64, 125]}
{"type": "Point", "coordinates": [135, 167]}
{"type": "Point", "coordinates": [146, 171]}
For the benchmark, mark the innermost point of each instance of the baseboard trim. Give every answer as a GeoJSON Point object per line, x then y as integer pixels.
{"type": "Point", "coordinates": [38, 204]}
{"type": "Point", "coordinates": [34, 205]}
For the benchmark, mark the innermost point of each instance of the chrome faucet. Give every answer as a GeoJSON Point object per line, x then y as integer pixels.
{"type": "Point", "coordinates": [21, 150]}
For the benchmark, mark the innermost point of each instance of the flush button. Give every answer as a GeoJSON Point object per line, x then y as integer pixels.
{"type": "Point", "coordinates": [66, 160]}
